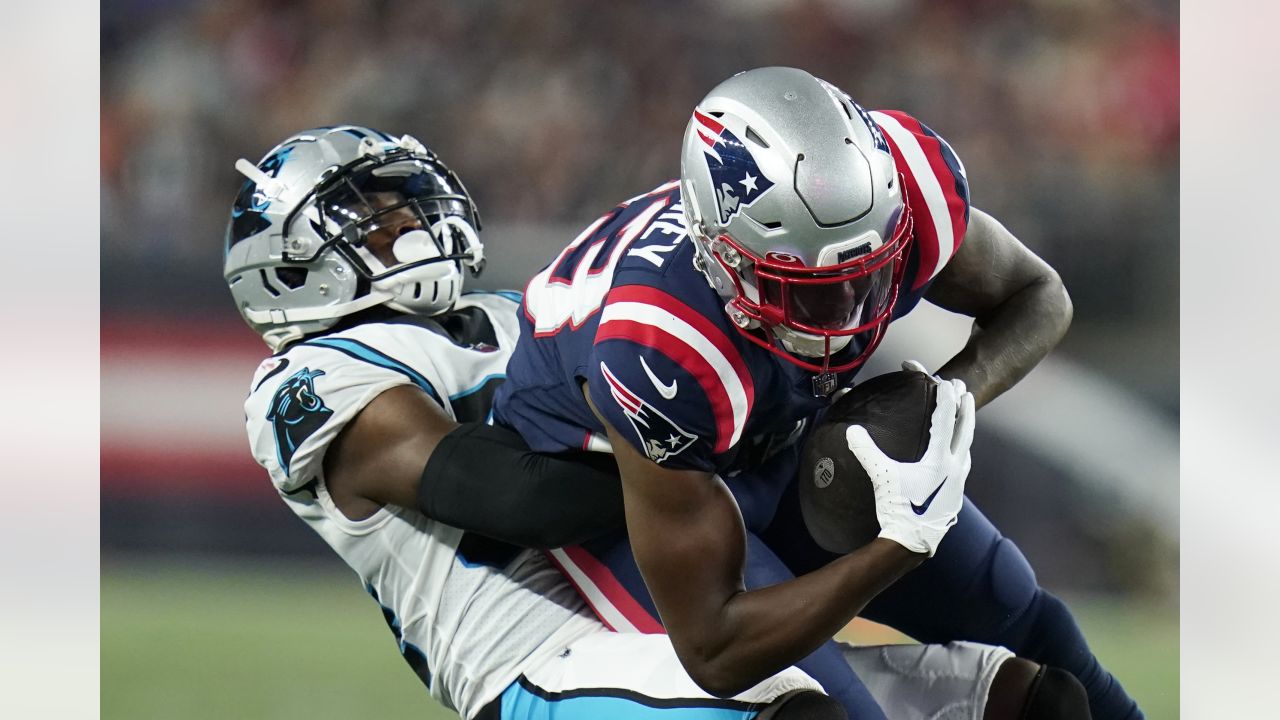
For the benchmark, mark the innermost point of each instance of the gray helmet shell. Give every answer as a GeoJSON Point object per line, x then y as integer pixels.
{"type": "Point", "coordinates": [833, 190]}
{"type": "Point", "coordinates": [281, 264]}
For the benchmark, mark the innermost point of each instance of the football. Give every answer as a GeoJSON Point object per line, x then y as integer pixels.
{"type": "Point", "coordinates": [836, 498]}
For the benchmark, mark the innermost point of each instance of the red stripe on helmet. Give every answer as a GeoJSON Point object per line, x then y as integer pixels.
{"type": "Point", "coordinates": [708, 122]}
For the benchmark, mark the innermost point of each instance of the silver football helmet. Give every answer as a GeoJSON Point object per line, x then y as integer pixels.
{"type": "Point", "coordinates": [337, 220]}
{"type": "Point", "coordinates": [797, 212]}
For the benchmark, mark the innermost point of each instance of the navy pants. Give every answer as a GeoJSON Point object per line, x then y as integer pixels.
{"type": "Point", "coordinates": [977, 587]}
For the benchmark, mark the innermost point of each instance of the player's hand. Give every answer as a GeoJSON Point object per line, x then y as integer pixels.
{"type": "Point", "coordinates": [917, 502]}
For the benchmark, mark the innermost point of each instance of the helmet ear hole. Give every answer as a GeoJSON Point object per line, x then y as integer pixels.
{"type": "Point", "coordinates": [754, 137]}
{"type": "Point", "coordinates": [292, 278]}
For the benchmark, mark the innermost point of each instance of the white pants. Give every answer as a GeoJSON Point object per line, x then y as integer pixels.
{"type": "Point", "coordinates": [634, 676]}
{"type": "Point", "coordinates": [928, 682]}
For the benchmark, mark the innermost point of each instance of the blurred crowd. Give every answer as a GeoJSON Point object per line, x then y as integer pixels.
{"type": "Point", "coordinates": [1065, 113]}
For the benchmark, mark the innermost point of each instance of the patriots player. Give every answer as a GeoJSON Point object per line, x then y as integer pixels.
{"type": "Point", "coordinates": [698, 329]}
{"type": "Point", "coordinates": [346, 252]}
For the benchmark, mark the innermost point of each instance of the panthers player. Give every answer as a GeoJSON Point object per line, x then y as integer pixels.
{"type": "Point", "coordinates": [695, 330]}
{"type": "Point", "coordinates": [346, 252]}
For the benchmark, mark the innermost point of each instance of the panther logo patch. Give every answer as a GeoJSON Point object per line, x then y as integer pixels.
{"type": "Point", "coordinates": [296, 413]}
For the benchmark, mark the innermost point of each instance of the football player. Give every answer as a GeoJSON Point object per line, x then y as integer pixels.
{"type": "Point", "coordinates": [346, 251]}
{"type": "Point", "coordinates": [698, 329]}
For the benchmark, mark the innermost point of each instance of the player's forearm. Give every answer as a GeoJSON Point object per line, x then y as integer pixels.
{"type": "Point", "coordinates": [760, 632]}
{"type": "Point", "coordinates": [484, 479]}
{"type": "Point", "coordinates": [1011, 339]}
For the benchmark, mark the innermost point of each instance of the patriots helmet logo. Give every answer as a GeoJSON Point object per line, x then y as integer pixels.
{"type": "Point", "coordinates": [734, 172]}
{"type": "Point", "coordinates": [296, 413]}
{"type": "Point", "coordinates": [660, 438]}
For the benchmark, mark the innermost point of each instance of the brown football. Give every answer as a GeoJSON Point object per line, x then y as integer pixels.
{"type": "Point", "coordinates": [836, 498]}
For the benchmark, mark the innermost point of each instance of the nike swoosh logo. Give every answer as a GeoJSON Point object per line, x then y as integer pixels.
{"type": "Point", "coordinates": [923, 507]}
{"type": "Point", "coordinates": [666, 391]}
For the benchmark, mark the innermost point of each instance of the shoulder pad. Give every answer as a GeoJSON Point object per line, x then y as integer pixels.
{"type": "Point", "coordinates": [300, 400]}
{"type": "Point", "coordinates": [655, 347]}
{"type": "Point", "coordinates": [937, 186]}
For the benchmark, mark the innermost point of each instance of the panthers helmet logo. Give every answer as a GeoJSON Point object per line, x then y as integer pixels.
{"type": "Point", "coordinates": [246, 214]}
{"type": "Point", "coordinates": [296, 413]}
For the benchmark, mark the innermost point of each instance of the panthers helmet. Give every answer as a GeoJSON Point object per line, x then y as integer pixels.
{"type": "Point", "coordinates": [798, 214]}
{"type": "Point", "coordinates": [340, 219]}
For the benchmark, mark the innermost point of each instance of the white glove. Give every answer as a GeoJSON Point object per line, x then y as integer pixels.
{"type": "Point", "coordinates": [917, 502]}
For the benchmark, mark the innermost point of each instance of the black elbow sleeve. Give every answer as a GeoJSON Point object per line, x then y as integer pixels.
{"type": "Point", "coordinates": [484, 479]}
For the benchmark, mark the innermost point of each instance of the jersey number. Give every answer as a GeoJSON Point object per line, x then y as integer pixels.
{"type": "Point", "coordinates": [571, 289]}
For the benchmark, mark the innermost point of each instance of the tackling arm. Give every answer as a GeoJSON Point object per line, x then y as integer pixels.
{"type": "Point", "coordinates": [1019, 306]}
{"type": "Point", "coordinates": [402, 449]}
{"type": "Point", "coordinates": [690, 545]}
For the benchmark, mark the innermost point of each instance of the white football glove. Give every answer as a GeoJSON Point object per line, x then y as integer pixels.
{"type": "Point", "coordinates": [917, 502]}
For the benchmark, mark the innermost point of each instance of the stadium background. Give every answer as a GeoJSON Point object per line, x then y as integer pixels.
{"type": "Point", "coordinates": [217, 602]}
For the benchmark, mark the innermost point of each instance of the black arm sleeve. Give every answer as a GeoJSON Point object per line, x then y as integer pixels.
{"type": "Point", "coordinates": [485, 479]}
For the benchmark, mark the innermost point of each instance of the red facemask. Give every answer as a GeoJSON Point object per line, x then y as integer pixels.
{"type": "Point", "coordinates": [851, 299]}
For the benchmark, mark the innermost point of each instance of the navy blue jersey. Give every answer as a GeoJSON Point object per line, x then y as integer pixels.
{"type": "Point", "coordinates": [623, 311]}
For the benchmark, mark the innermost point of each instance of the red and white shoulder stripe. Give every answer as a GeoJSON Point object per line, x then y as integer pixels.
{"type": "Point", "coordinates": [936, 184]}
{"type": "Point", "coordinates": [655, 319]}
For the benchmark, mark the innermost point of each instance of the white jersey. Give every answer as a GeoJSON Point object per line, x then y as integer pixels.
{"type": "Point", "coordinates": [471, 615]}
